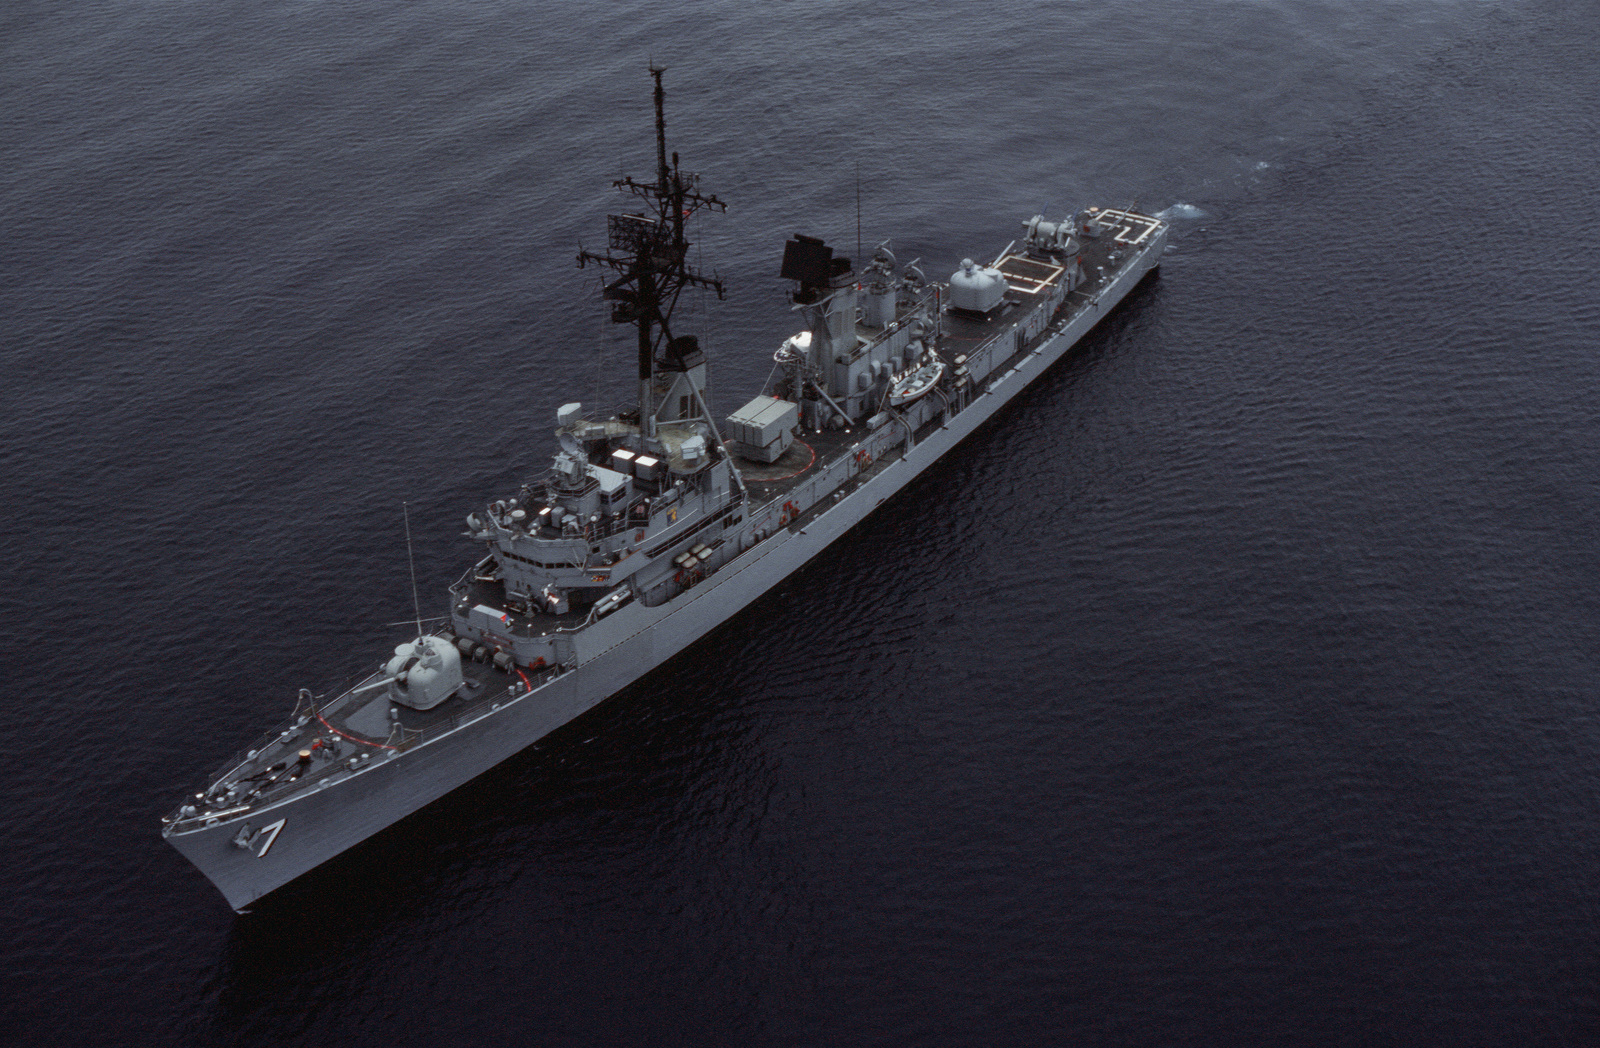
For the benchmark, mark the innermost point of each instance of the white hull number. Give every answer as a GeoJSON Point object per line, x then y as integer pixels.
{"type": "Point", "coordinates": [267, 835]}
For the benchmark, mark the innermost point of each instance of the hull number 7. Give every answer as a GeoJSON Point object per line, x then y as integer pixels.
{"type": "Point", "coordinates": [268, 834]}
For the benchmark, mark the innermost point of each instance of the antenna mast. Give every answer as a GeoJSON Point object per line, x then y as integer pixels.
{"type": "Point", "coordinates": [648, 249]}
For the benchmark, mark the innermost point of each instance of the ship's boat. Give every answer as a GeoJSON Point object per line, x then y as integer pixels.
{"type": "Point", "coordinates": [914, 385]}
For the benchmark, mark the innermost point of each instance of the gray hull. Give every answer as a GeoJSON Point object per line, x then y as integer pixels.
{"type": "Point", "coordinates": [285, 840]}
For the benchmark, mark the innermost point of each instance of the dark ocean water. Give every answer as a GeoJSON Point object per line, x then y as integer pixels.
{"type": "Point", "coordinates": [1235, 686]}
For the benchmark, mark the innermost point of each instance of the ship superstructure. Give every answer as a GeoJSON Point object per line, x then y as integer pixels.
{"type": "Point", "coordinates": [655, 524]}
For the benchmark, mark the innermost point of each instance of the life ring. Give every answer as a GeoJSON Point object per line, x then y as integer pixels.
{"type": "Point", "coordinates": [863, 459]}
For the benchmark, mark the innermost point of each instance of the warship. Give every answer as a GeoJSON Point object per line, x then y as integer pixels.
{"type": "Point", "coordinates": [657, 523]}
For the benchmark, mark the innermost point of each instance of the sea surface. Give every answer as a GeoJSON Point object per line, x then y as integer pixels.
{"type": "Point", "coordinates": [1236, 686]}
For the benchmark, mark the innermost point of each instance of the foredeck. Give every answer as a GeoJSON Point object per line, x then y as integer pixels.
{"type": "Point", "coordinates": [352, 730]}
{"type": "Point", "coordinates": [377, 722]}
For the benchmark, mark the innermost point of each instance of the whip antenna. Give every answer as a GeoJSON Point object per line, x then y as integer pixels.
{"type": "Point", "coordinates": [416, 605]}
{"type": "Point", "coordinates": [858, 210]}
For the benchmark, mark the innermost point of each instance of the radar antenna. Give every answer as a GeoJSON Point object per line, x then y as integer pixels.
{"type": "Point", "coordinates": [649, 251]}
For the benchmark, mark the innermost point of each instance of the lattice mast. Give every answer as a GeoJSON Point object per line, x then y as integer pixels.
{"type": "Point", "coordinates": [650, 252]}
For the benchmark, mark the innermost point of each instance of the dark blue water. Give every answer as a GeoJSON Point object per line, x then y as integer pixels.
{"type": "Point", "coordinates": [1235, 686]}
